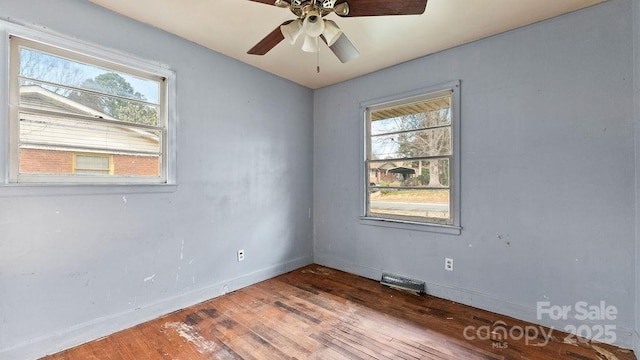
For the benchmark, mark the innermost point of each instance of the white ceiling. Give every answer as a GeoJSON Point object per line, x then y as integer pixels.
{"type": "Point", "coordinates": [232, 27]}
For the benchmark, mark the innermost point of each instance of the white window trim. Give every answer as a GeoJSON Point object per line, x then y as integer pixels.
{"type": "Point", "coordinates": [455, 228]}
{"type": "Point", "coordinates": [106, 56]}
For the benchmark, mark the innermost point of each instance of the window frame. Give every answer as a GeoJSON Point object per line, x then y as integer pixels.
{"type": "Point", "coordinates": [421, 94]}
{"type": "Point", "coordinates": [15, 35]}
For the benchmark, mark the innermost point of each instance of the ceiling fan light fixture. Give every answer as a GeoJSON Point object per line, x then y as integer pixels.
{"type": "Point", "coordinates": [341, 9]}
{"type": "Point", "coordinates": [292, 31]}
{"type": "Point", "coordinates": [331, 32]}
{"type": "Point", "coordinates": [310, 44]}
{"type": "Point", "coordinates": [313, 25]}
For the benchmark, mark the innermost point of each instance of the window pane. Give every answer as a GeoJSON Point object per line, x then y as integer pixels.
{"type": "Point", "coordinates": [431, 142]}
{"type": "Point", "coordinates": [56, 131]}
{"type": "Point", "coordinates": [68, 73]}
{"type": "Point", "coordinates": [44, 97]}
{"type": "Point", "coordinates": [414, 204]}
{"type": "Point", "coordinates": [414, 121]}
{"type": "Point", "coordinates": [78, 116]}
{"type": "Point", "coordinates": [48, 143]}
{"type": "Point", "coordinates": [433, 173]}
{"type": "Point", "coordinates": [409, 158]}
{"type": "Point", "coordinates": [58, 161]}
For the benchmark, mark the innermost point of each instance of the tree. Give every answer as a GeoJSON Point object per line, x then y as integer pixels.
{"type": "Point", "coordinates": [40, 66]}
{"type": "Point", "coordinates": [432, 142]}
{"type": "Point", "coordinates": [121, 109]}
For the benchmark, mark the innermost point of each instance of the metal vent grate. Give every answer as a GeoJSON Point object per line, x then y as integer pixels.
{"type": "Point", "coordinates": [403, 283]}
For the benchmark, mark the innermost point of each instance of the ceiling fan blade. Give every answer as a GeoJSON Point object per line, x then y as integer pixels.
{"type": "Point", "coordinates": [269, 41]}
{"type": "Point", "coordinates": [343, 48]}
{"type": "Point", "coordinates": [384, 7]}
{"type": "Point", "coordinates": [268, 2]}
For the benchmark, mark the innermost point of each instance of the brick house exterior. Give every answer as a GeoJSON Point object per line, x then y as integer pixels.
{"type": "Point", "coordinates": [39, 161]}
{"type": "Point", "coordinates": [59, 157]}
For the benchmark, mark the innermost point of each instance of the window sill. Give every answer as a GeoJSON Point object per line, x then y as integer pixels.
{"type": "Point", "coordinates": [19, 190]}
{"type": "Point", "coordinates": [410, 225]}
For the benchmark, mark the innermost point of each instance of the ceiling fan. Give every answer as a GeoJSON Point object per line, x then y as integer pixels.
{"type": "Point", "coordinates": [311, 24]}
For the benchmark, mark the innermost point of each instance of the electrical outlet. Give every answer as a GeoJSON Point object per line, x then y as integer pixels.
{"type": "Point", "coordinates": [448, 264]}
{"type": "Point", "coordinates": [240, 255]}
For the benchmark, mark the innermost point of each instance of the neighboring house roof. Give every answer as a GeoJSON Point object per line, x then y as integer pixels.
{"type": "Point", "coordinates": [42, 131]}
{"type": "Point", "coordinates": [393, 168]}
{"type": "Point", "coordinates": [385, 166]}
{"type": "Point", "coordinates": [41, 98]}
{"type": "Point", "coordinates": [401, 170]}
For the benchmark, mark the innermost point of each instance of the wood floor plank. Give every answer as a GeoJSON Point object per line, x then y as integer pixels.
{"type": "Point", "coordinates": [290, 341]}
{"type": "Point", "coordinates": [321, 313]}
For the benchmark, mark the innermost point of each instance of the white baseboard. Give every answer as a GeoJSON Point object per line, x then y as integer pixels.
{"type": "Point", "coordinates": [107, 325]}
{"type": "Point", "coordinates": [624, 337]}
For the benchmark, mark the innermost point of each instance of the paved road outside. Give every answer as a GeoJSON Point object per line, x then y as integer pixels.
{"type": "Point", "coordinates": [388, 205]}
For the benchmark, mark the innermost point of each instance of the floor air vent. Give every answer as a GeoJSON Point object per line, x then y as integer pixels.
{"type": "Point", "coordinates": [402, 283]}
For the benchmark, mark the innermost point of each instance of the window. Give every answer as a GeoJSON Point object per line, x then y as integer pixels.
{"type": "Point", "coordinates": [93, 164]}
{"type": "Point", "coordinates": [77, 118]}
{"type": "Point", "coordinates": [411, 158]}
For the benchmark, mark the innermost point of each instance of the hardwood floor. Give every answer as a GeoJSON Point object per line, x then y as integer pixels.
{"type": "Point", "coordinates": [320, 313]}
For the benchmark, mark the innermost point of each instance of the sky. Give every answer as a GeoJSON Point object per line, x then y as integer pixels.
{"type": "Point", "coordinates": [53, 68]}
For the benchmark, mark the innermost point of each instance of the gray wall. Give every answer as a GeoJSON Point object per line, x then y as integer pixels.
{"type": "Point", "coordinates": [73, 262]}
{"type": "Point", "coordinates": [547, 175]}
{"type": "Point", "coordinates": [547, 158]}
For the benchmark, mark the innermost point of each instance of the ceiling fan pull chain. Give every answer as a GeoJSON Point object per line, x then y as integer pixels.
{"type": "Point", "coordinates": [318, 55]}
